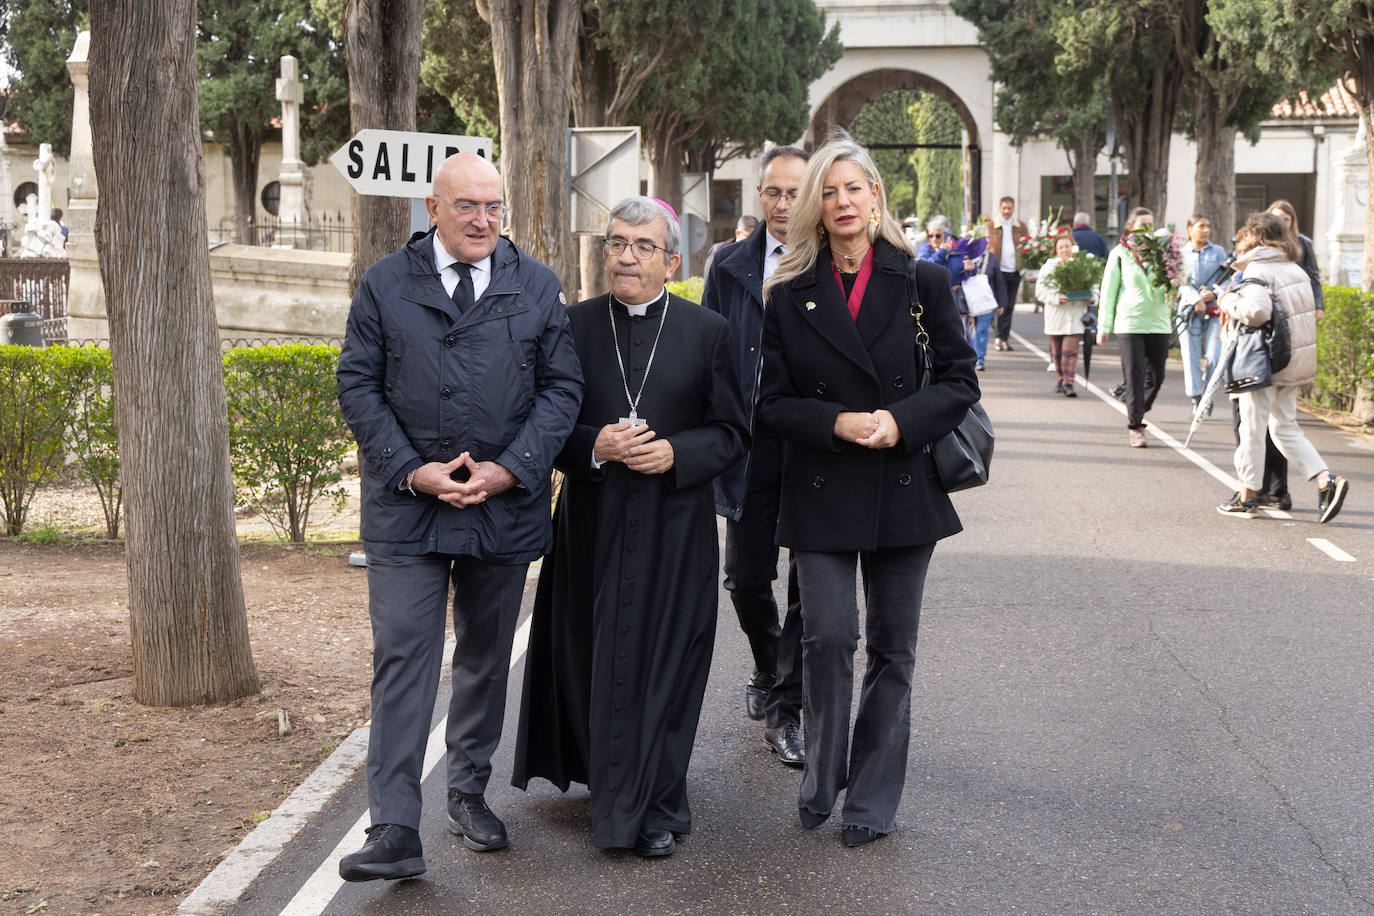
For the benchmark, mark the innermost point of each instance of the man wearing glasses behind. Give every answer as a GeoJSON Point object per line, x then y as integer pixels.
{"type": "Point", "coordinates": [747, 494]}
{"type": "Point", "coordinates": [459, 380]}
{"type": "Point", "coordinates": [624, 620]}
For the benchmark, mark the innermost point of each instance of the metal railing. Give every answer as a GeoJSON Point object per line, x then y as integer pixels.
{"type": "Point", "coordinates": [41, 282]}
{"type": "Point", "coordinates": [322, 231]}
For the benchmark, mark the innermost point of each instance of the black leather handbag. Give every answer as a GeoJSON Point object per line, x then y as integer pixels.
{"type": "Point", "coordinates": [963, 456]}
{"type": "Point", "coordinates": [1261, 350]}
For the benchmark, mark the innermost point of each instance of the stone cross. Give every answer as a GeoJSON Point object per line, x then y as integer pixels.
{"type": "Point", "coordinates": [46, 167]}
{"type": "Point", "coordinates": [291, 181]}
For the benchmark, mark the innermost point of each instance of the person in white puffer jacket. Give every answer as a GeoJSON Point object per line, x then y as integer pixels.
{"type": "Point", "coordinates": [1266, 251]}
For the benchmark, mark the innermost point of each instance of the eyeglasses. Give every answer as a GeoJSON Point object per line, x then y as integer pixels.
{"type": "Point", "coordinates": [467, 208]}
{"type": "Point", "coordinates": [641, 250]}
{"type": "Point", "coordinates": [775, 194]}
{"type": "Point", "coordinates": [936, 236]}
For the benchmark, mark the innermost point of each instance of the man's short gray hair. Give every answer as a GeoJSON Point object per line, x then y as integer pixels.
{"type": "Point", "coordinates": [940, 222]}
{"type": "Point", "coordinates": [777, 152]}
{"type": "Point", "coordinates": [1082, 219]}
{"type": "Point", "coordinates": [640, 211]}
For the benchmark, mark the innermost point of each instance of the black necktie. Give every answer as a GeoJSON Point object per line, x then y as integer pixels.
{"type": "Point", "coordinates": [462, 293]}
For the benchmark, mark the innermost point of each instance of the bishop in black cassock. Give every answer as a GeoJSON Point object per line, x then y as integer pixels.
{"type": "Point", "coordinates": [625, 613]}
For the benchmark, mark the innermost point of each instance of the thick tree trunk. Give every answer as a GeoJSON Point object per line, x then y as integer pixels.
{"type": "Point", "coordinates": [665, 162]}
{"type": "Point", "coordinates": [382, 40]}
{"type": "Point", "coordinates": [1084, 162]}
{"type": "Point", "coordinates": [245, 152]}
{"type": "Point", "coordinates": [186, 612]}
{"type": "Point", "coordinates": [1214, 182]}
{"type": "Point", "coordinates": [534, 43]}
{"type": "Point", "coordinates": [590, 98]}
{"type": "Point", "coordinates": [1146, 125]}
{"type": "Point", "coordinates": [1365, 100]}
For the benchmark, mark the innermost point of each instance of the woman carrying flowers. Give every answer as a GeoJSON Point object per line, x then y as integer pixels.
{"type": "Point", "coordinates": [1134, 304]}
{"type": "Point", "coordinates": [1066, 272]}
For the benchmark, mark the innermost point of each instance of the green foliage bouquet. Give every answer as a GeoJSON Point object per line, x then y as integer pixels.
{"type": "Point", "coordinates": [1080, 272]}
{"type": "Point", "coordinates": [1159, 254]}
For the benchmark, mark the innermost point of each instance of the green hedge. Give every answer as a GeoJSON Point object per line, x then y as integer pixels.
{"type": "Point", "coordinates": [1345, 346]}
{"type": "Point", "coordinates": [287, 436]}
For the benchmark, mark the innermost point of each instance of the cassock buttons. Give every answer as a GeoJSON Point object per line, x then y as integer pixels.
{"type": "Point", "coordinates": [818, 481]}
{"type": "Point", "coordinates": [820, 388]}
{"type": "Point", "coordinates": [446, 444]}
{"type": "Point", "coordinates": [904, 480]}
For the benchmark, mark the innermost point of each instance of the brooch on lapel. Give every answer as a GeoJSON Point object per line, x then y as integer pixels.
{"type": "Point", "coordinates": [810, 306]}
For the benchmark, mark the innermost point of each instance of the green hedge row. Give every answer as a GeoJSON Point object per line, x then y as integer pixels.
{"type": "Point", "coordinates": [1345, 347]}
{"type": "Point", "coordinates": [286, 434]}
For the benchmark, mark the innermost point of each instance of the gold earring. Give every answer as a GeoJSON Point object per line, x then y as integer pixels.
{"type": "Point", "coordinates": [820, 231]}
{"type": "Point", "coordinates": [875, 219]}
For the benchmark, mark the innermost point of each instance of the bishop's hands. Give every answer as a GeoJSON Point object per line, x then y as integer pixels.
{"type": "Point", "coordinates": [483, 479]}
{"type": "Point", "coordinates": [633, 446]}
{"type": "Point", "coordinates": [871, 430]}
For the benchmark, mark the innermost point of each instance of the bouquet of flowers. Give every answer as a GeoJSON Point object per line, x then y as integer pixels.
{"type": "Point", "coordinates": [979, 229]}
{"type": "Point", "coordinates": [1159, 254]}
{"type": "Point", "coordinates": [1039, 245]}
{"type": "Point", "coordinates": [1082, 272]}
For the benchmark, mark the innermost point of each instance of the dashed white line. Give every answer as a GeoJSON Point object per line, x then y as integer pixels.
{"type": "Point", "coordinates": [1221, 476]}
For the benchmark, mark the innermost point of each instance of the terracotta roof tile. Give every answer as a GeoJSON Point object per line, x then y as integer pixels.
{"type": "Point", "coordinates": [1336, 102]}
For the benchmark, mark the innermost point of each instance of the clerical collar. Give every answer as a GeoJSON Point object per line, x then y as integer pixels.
{"type": "Point", "coordinates": [639, 311]}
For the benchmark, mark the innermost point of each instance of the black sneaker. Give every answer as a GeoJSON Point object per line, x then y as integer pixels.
{"type": "Point", "coordinates": [1069, 392]}
{"type": "Point", "coordinates": [1330, 497]}
{"type": "Point", "coordinates": [470, 818]}
{"type": "Point", "coordinates": [1238, 508]}
{"type": "Point", "coordinates": [391, 852]}
{"type": "Point", "coordinates": [1282, 501]}
{"type": "Point", "coordinates": [1059, 388]}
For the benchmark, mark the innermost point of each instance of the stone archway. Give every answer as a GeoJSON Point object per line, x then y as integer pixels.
{"type": "Point", "coordinates": [845, 101]}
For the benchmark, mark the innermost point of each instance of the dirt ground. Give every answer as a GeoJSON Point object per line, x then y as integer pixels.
{"type": "Point", "coordinates": [115, 808]}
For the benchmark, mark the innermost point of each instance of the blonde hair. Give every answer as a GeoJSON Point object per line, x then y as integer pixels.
{"type": "Point", "coordinates": [804, 243]}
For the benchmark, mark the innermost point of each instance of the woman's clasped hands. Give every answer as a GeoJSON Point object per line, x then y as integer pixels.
{"type": "Point", "coordinates": [876, 429]}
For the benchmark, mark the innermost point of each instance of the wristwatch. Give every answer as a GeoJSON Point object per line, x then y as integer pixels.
{"type": "Point", "coordinates": [407, 484]}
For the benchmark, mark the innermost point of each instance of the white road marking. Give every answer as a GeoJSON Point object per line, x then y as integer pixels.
{"type": "Point", "coordinates": [1331, 550]}
{"type": "Point", "coordinates": [320, 888]}
{"type": "Point", "coordinates": [1225, 479]}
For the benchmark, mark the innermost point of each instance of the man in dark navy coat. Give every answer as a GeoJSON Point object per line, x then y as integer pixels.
{"type": "Point", "coordinates": [625, 615]}
{"type": "Point", "coordinates": [459, 380]}
{"type": "Point", "coordinates": [747, 494]}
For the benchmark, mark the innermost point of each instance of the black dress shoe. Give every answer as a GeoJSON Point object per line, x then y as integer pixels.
{"type": "Point", "coordinates": [391, 852]}
{"type": "Point", "coordinates": [470, 818]}
{"type": "Point", "coordinates": [653, 843]}
{"type": "Point", "coordinates": [786, 741]}
{"type": "Point", "coordinates": [857, 836]}
{"type": "Point", "coordinates": [756, 695]}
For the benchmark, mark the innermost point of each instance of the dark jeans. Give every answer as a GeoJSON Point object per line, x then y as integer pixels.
{"type": "Point", "coordinates": [408, 601]}
{"type": "Point", "coordinates": [751, 565]}
{"type": "Point", "coordinates": [1140, 352]}
{"type": "Point", "coordinates": [871, 768]}
{"type": "Point", "coordinates": [1012, 280]}
{"type": "Point", "coordinates": [1275, 483]}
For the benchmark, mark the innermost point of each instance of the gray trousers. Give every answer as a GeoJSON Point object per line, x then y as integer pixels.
{"type": "Point", "coordinates": [407, 600]}
{"type": "Point", "coordinates": [873, 767]}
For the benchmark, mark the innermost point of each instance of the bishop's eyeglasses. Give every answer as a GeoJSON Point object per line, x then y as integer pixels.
{"type": "Point", "coordinates": [641, 250]}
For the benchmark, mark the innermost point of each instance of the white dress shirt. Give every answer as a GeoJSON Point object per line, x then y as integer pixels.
{"type": "Point", "coordinates": [771, 254]}
{"type": "Point", "coordinates": [481, 271]}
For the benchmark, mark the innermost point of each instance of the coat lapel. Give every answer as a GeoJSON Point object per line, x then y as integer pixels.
{"type": "Point", "coordinates": [824, 308]}
{"type": "Point", "coordinates": [887, 293]}
{"type": "Point", "coordinates": [745, 264]}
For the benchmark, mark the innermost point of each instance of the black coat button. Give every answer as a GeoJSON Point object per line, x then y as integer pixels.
{"type": "Point", "coordinates": [446, 392]}
{"type": "Point", "coordinates": [450, 341]}
{"type": "Point", "coordinates": [818, 481]}
{"type": "Point", "coordinates": [446, 444]}
{"type": "Point", "coordinates": [904, 480]}
{"type": "Point", "coordinates": [898, 382]}
{"type": "Point", "coordinates": [820, 388]}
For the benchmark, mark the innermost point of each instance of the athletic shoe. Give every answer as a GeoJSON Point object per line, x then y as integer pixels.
{"type": "Point", "coordinates": [1238, 508]}
{"type": "Point", "coordinates": [1137, 438]}
{"type": "Point", "coordinates": [1059, 389]}
{"type": "Point", "coordinates": [1283, 501]}
{"type": "Point", "coordinates": [1330, 497]}
{"type": "Point", "coordinates": [982, 367]}
{"type": "Point", "coordinates": [1069, 392]}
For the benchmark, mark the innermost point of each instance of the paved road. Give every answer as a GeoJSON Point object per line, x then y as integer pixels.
{"type": "Point", "coordinates": [1124, 703]}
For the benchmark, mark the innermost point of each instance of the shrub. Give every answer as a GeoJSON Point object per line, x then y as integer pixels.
{"type": "Point", "coordinates": [91, 432]}
{"type": "Point", "coordinates": [1345, 346]}
{"type": "Point", "coordinates": [37, 390]}
{"type": "Point", "coordinates": [691, 288]}
{"type": "Point", "coordinates": [287, 435]}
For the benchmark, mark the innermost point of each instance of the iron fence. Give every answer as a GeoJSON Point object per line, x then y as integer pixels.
{"type": "Point", "coordinates": [42, 282]}
{"type": "Point", "coordinates": [322, 231]}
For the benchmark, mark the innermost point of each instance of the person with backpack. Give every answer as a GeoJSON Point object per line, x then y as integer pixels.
{"type": "Point", "coordinates": [1266, 252]}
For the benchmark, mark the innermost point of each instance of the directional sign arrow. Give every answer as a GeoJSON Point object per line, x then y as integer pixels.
{"type": "Point", "coordinates": [398, 163]}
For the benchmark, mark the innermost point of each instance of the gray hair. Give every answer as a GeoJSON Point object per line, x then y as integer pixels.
{"type": "Point", "coordinates": [777, 152]}
{"type": "Point", "coordinates": [1080, 218]}
{"type": "Point", "coordinates": [640, 211]}
{"type": "Point", "coordinates": [940, 222]}
{"type": "Point", "coordinates": [748, 223]}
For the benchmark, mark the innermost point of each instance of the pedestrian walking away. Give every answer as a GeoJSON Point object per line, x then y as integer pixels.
{"type": "Point", "coordinates": [1266, 252]}
{"type": "Point", "coordinates": [624, 617]}
{"type": "Point", "coordinates": [747, 494]}
{"type": "Point", "coordinates": [459, 380]}
{"type": "Point", "coordinates": [859, 491]}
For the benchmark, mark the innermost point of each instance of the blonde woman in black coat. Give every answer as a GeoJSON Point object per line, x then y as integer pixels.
{"type": "Point", "coordinates": [840, 385]}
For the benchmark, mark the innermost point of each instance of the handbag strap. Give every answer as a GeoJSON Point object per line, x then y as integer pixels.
{"type": "Point", "coordinates": [922, 341]}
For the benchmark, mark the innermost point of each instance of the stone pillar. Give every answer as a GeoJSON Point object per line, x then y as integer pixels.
{"type": "Point", "coordinates": [1345, 239]}
{"type": "Point", "coordinates": [291, 180]}
{"type": "Point", "coordinates": [7, 214]}
{"type": "Point", "coordinates": [86, 317]}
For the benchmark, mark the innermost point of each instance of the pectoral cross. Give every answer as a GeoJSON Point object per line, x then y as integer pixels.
{"type": "Point", "coordinates": [634, 420]}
